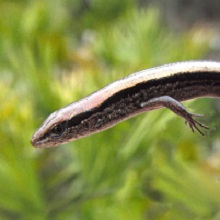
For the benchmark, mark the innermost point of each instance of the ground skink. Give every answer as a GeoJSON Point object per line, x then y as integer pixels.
{"type": "Point", "coordinates": [163, 86]}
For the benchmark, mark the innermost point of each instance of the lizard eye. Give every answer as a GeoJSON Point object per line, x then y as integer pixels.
{"type": "Point", "coordinates": [57, 131]}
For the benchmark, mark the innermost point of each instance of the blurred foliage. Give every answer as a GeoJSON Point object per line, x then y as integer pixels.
{"type": "Point", "coordinates": [148, 167]}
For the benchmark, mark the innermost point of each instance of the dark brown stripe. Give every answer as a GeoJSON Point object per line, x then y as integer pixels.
{"type": "Point", "coordinates": [127, 102]}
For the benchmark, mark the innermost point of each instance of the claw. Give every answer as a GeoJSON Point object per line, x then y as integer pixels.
{"type": "Point", "coordinates": [193, 123]}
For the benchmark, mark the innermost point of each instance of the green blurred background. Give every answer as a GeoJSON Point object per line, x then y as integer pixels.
{"type": "Point", "coordinates": [149, 167]}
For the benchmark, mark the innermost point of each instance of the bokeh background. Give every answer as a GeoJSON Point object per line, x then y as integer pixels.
{"type": "Point", "coordinates": [152, 166]}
